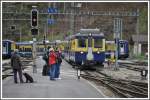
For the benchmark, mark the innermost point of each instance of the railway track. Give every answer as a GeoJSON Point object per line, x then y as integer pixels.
{"type": "Point", "coordinates": [134, 66]}
{"type": "Point", "coordinates": [123, 88]}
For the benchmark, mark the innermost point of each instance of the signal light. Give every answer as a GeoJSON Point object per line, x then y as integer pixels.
{"type": "Point", "coordinates": [34, 31]}
{"type": "Point", "coordinates": [34, 18]}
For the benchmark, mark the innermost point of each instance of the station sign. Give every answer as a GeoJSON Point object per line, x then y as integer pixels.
{"type": "Point", "coordinates": [52, 10]}
{"type": "Point", "coordinates": [50, 21]}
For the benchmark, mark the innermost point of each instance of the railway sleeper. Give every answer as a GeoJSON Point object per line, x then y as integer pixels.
{"type": "Point", "coordinates": [127, 85]}
{"type": "Point", "coordinates": [134, 93]}
{"type": "Point", "coordinates": [118, 92]}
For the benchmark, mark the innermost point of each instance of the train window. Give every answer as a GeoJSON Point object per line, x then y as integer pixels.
{"type": "Point", "coordinates": [121, 45]}
{"type": "Point", "coordinates": [20, 50]}
{"type": "Point", "coordinates": [28, 49]}
{"type": "Point", "coordinates": [23, 49]}
{"type": "Point", "coordinates": [4, 48]}
{"type": "Point", "coordinates": [98, 43]}
{"type": "Point", "coordinates": [81, 42]}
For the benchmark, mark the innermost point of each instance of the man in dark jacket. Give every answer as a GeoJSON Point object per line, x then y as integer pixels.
{"type": "Point", "coordinates": [16, 66]}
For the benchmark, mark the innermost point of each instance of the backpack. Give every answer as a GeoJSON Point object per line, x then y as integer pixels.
{"type": "Point", "coordinates": [58, 59]}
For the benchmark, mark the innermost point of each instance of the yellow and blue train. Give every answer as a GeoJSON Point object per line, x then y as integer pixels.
{"type": "Point", "coordinates": [85, 49]}
{"type": "Point", "coordinates": [123, 50]}
{"type": "Point", "coordinates": [82, 49]}
{"type": "Point", "coordinates": [25, 49]}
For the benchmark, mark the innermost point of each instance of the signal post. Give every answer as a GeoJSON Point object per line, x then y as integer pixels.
{"type": "Point", "coordinates": [34, 32]}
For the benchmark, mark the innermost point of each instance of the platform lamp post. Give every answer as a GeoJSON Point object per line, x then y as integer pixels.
{"type": "Point", "coordinates": [34, 31]}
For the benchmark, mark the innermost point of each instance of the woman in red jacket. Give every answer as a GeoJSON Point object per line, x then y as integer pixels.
{"type": "Point", "coordinates": [52, 63]}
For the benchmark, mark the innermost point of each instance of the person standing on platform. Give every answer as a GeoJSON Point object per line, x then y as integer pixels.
{"type": "Point", "coordinates": [52, 64]}
{"type": "Point", "coordinates": [45, 71]}
{"type": "Point", "coordinates": [16, 66]}
{"type": "Point", "coordinates": [58, 63]}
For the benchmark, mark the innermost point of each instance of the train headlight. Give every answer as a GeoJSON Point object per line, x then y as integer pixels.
{"type": "Point", "coordinates": [81, 52]}
{"type": "Point", "coordinates": [98, 52]}
{"type": "Point", "coordinates": [90, 34]}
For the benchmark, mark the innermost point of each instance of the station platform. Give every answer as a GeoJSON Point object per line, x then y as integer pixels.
{"type": "Point", "coordinates": [68, 87]}
{"type": "Point", "coordinates": [5, 61]}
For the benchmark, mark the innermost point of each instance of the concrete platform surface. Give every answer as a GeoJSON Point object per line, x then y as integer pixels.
{"type": "Point", "coordinates": [68, 87]}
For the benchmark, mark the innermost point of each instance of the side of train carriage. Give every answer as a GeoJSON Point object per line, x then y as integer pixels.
{"type": "Point", "coordinates": [85, 49]}
{"type": "Point", "coordinates": [8, 47]}
{"type": "Point", "coordinates": [25, 49]}
{"type": "Point", "coordinates": [123, 50]}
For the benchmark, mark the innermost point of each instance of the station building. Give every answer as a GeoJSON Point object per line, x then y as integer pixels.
{"type": "Point", "coordinates": [140, 44]}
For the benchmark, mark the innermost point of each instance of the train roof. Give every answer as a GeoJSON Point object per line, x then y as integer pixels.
{"type": "Point", "coordinates": [110, 42]}
{"type": "Point", "coordinates": [23, 43]}
{"type": "Point", "coordinates": [7, 41]}
{"type": "Point", "coordinates": [78, 35]}
{"type": "Point", "coordinates": [93, 31]}
{"type": "Point", "coordinates": [31, 42]}
{"type": "Point", "coordinates": [123, 40]}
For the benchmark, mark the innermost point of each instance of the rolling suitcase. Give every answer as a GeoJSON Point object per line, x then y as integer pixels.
{"type": "Point", "coordinates": [45, 70]}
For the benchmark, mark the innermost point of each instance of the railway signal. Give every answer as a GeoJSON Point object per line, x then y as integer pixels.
{"type": "Point", "coordinates": [34, 17]}
{"type": "Point", "coordinates": [34, 31]}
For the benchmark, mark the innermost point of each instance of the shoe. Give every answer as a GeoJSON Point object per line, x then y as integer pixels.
{"type": "Point", "coordinates": [59, 78]}
{"type": "Point", "coordinates": [52, 79]}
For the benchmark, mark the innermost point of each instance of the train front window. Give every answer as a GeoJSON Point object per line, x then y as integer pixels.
{"type": "Point", "coordinates": [81, 43]}
{"type": "Point", "coordinates": [4, 48]}
{"type": "Point", "coordinates": [98, 43]}
{"type": "Point", "coordinates": [121, 45]}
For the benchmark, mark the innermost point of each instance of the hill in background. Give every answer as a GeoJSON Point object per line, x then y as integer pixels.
{"type": "Point", "coordinates": [62, 25]}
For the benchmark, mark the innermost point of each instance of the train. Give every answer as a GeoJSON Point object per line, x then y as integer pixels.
{"type": "Point", "coordinates": [110, 51]}
{"type": "Point", "coordinates": [123, 50]}
{"type": "Point", "coordinates": [86, 48]}
{"type": "Point", "coordinates": [8, 47]}
{"type": "Point", "coordinates": [81, 48]}
{"type": "Point", "coordinates": [25, 48]}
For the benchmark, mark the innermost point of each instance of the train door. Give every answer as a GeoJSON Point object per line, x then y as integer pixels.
{"type": "Point", "coordinates": [121, 48]}
{"type": "Point", "coordinates": [5, 48]}
{"type": "Point", "coordinates": [90, 51]}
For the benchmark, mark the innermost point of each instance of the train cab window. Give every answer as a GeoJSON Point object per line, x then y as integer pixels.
{"type": "Point", "coordinates": [81, 42]}
{"type": "Point", "coordinates": [98, 43]}
{"type": "Point", "coordinates": [4, 48]}
{"type": "Point", "coordinates": [121, 45]}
